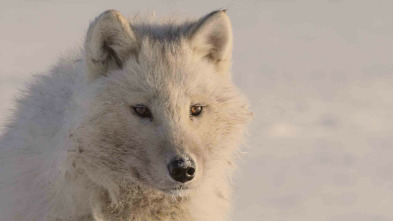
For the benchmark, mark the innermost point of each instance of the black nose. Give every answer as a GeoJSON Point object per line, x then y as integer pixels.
{"type": "Point", "coordinates": [182, 170]}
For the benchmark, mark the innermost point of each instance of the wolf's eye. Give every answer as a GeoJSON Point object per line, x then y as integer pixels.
{"type": "Point", "coordinates": [196, 110]}
{"type": "Point", "coordinates": [142, 111]}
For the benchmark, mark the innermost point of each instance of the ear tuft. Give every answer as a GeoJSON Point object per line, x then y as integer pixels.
{"type": "Point", "coordinates": [211, 36]}
{"type": "Point", "coordinates": [109, 42]}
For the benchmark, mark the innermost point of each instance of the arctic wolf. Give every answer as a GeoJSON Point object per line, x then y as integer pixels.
{"type": "Point", "coordinates": [140, 124]}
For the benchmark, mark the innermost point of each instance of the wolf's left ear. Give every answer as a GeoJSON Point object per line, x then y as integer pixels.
{"type": "Point", "coordinates": [211, 36]}
{"type": "Point", "coordinates": [109, 42]}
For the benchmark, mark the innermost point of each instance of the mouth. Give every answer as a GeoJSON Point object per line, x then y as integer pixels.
{"type": "Point", "coordinates": [177, 191]}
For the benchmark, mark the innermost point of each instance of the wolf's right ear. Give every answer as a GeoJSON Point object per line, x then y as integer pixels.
{"type": "Point", "coordinates": [109, 42]}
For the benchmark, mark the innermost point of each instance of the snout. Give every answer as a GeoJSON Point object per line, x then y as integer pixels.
{"type": "Point", "coordinates": [181, 169]}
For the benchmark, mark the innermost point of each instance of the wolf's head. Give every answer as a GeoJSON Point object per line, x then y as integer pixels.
{"type": "Point", "coordinates": [166, 114]}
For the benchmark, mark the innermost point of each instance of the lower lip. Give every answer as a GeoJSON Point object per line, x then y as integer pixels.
{"type": "Point", "coordinates": [177, 189]}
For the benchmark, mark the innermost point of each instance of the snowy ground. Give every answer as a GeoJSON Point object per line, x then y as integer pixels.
{"type": "Point", "coordinates": [319, 76]}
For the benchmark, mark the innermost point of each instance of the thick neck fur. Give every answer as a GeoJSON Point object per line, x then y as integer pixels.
{"type": "Point", "coordinates": [135, 201]}
{"type": "Point", "coordinates": [141, 203]}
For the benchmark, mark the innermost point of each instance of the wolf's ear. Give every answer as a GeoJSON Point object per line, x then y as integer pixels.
{"type": "Point", "coordinates": [109, 42]}
{"type": "Point", "coordinates": [211, 36]}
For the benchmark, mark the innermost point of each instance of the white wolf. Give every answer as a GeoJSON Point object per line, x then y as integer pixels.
{"type": "Point", "coordinates": [141, 124]}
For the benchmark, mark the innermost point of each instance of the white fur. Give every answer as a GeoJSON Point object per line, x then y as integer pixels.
{"type": "Point", "coordinates": [74, 149]}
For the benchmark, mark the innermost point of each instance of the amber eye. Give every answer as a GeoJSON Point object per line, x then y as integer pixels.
{"type": "Point", "coordinates": [142, 111]}
{"type": "Point", "coordinates": [196, 110]}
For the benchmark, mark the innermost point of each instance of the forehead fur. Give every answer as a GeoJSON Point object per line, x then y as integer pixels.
{"type": "Point", "coordinates": [166, 62]}
{"type": "Point", "coordinates": [164, 29]}
{"type": "Point", "coordinates": [171, 64]}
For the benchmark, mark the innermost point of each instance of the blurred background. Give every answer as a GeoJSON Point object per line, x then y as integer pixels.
{"type": "Point", "coordinates": [319, 77]}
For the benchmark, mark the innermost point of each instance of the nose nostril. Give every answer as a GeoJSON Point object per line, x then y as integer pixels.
{"type": "Point", "coordinates": [191, 171]}
{"type": "Point", "coordinates": [176, 171]}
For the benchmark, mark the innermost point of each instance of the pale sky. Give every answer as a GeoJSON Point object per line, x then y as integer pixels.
{"type": "Point", "coordinates": [319, 77]}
